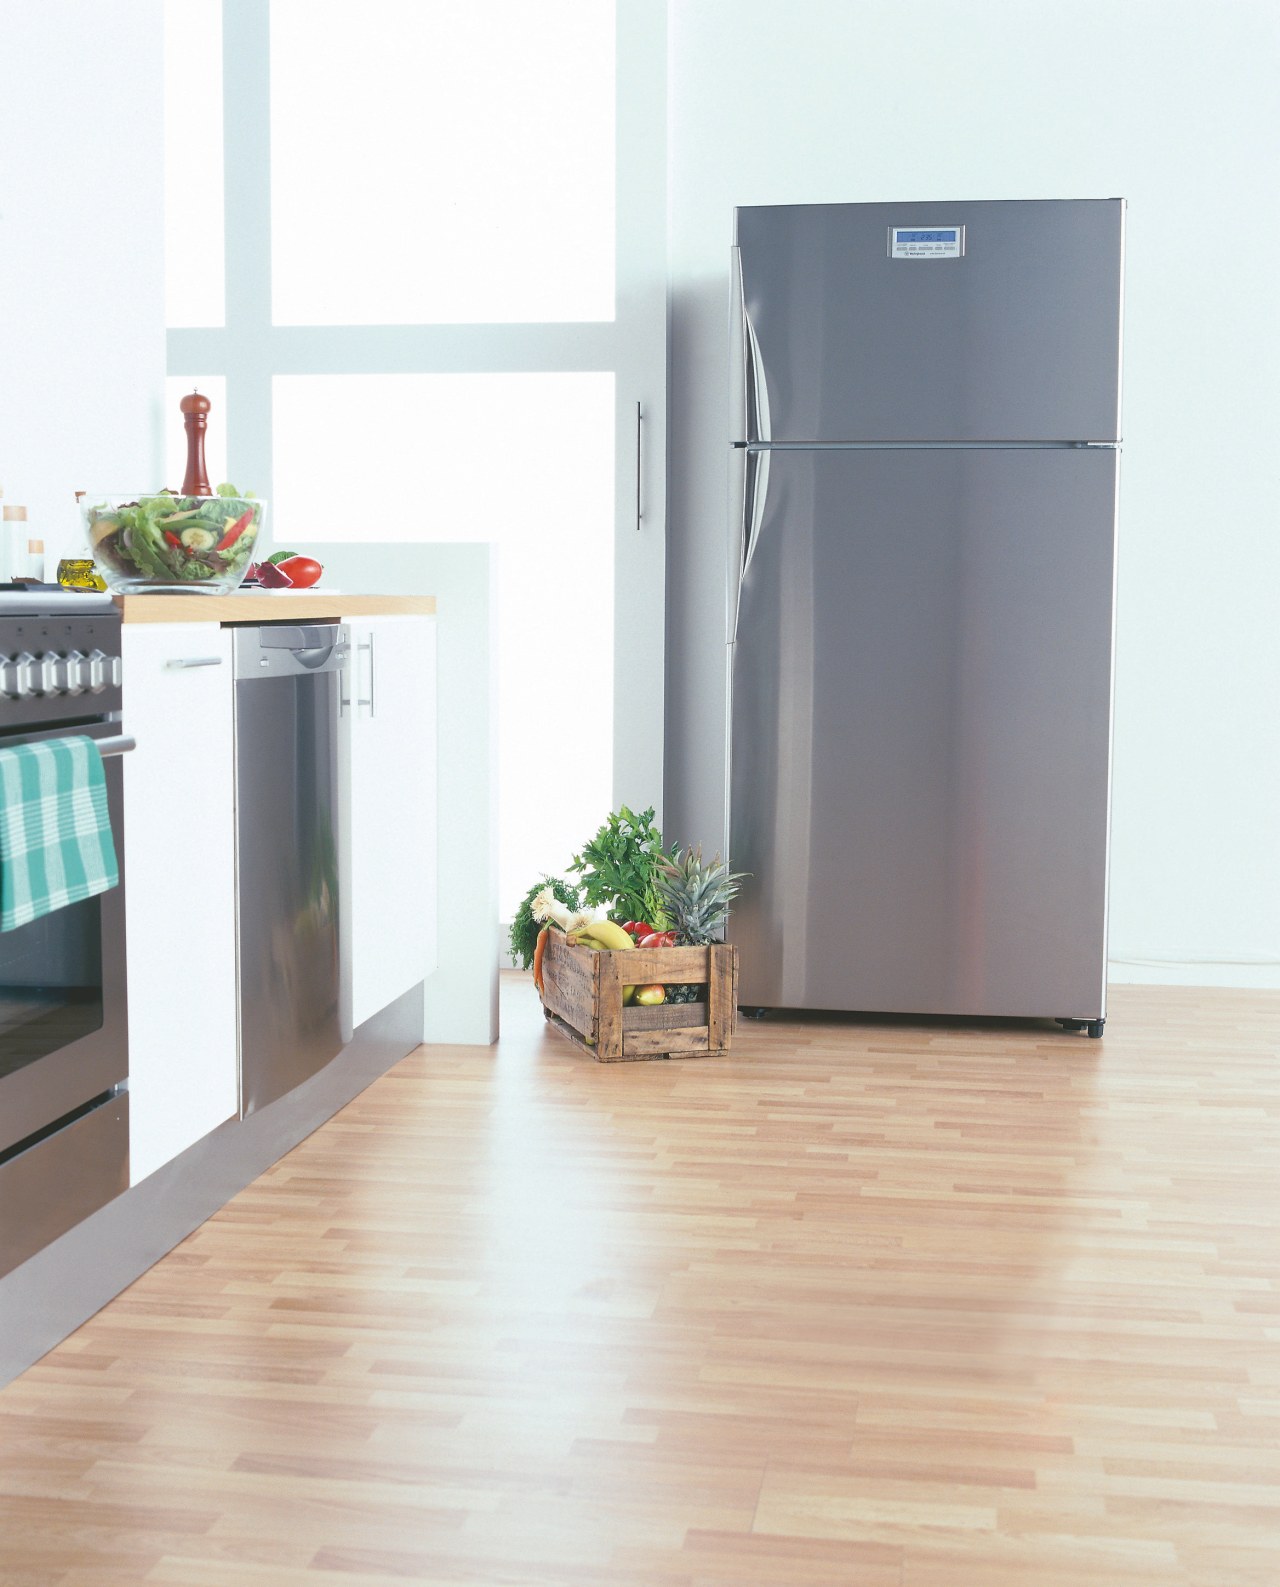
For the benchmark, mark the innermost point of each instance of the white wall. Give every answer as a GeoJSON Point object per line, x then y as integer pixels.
{"type": "Point", "coordinates": [1171, 104]}
{"type": "Point", "coordinates": [81, 255]}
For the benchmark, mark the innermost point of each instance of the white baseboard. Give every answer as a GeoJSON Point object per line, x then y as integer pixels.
{"type": "Point", "coordinates": [1252, 974]}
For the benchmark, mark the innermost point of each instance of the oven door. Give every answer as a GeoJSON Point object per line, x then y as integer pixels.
{"type": "Point", "coordinates": [64, 1038]}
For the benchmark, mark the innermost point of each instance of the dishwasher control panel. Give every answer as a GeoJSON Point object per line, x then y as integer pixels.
{"type": "Point", "coordinates": [286, 650]}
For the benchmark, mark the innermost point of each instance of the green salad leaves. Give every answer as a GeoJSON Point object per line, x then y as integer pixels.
{"type": "Point", "coordinates": [169, 539]}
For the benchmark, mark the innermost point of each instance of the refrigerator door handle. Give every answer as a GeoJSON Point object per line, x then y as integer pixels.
{"type": "Point", "coordinates": [756, 494]}
{"type": "Point", "coordinates": [738, 431]}
{"type": "Point", "coordinates": [748, 486]}
{"type": "Point", "coordinates": [739, 459]}
{"type": "Point", "coordinates": [757, 389]}
{"type": "Point", "coordinates": [748, 392]}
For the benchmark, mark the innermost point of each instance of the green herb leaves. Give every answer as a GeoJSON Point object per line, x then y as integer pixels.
{"type": "Point", "coordinates": [619, 867]}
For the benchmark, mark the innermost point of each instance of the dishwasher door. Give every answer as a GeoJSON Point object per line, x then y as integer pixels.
{"type": "Point", "coordinates": [292, 763]}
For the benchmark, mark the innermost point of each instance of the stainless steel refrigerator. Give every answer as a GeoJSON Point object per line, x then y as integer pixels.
{"type": "Point", "coordinates": [925, 452]}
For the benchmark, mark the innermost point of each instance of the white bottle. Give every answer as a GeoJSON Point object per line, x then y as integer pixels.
{"type": "Point", "coordinates": [35, 560]}
{"type": "Point", "coordinates": [13, 544]}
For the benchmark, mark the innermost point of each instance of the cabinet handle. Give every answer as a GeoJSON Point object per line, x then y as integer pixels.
{"type": "Point", "coordinates": [195, 661]}
{"type": "Point", "coordinates": [367, 644]}
{"type": "Point", "coordinates": [639, 464]}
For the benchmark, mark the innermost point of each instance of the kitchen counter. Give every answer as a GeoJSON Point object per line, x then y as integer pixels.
{"type": "Point", "coordinates": [265, 606]}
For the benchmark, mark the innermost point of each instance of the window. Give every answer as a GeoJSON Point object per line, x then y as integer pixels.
{"type": "Point", "coordinates": [442, 317]}
{"type": "Point", "coordinates": [467, 175]}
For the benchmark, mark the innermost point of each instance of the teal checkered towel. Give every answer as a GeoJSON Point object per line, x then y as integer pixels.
{"type": "Point", "coordinates": [55, 831]}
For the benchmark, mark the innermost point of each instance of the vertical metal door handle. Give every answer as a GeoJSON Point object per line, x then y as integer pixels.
{"type": "Point", "coordinates": [759, 424]}
{"type": "Point", "coordinates": [364, 644]}
{"type": "Point", "coordinates": [749, 418]}
{"type": "Point", "coordinates": [756, 491]}
{"type": "Point", "coordinates": [739, 459]}
{"type": "Point", "coordinates": [639, 465]}
{"type": "Point", "coordinates": [739, 424]}
{"type": "Point", "coordinates": [749, 482]}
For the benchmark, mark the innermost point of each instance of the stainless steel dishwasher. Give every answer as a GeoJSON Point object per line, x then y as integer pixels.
{"type": "Point", "coordinates": [291, 850]}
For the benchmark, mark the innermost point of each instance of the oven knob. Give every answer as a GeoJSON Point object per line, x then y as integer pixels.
{"type": "Point", "coordinates": [47, 673]}
{"type": "Point", "coordinates": [15, 676]}
{"type": "Point", "coordinates": [97, 672]}
{"type": "Point", "coordinates": [117, 672]}
{"type": "Point", "coordinates": [69, 673]}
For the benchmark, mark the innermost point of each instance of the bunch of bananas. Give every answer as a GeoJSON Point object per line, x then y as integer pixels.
{"type": "Point", "coordinates": [602, 935]}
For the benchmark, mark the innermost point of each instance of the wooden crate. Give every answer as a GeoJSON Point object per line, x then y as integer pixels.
{"type": "Point", "coordinates": [582, 997]}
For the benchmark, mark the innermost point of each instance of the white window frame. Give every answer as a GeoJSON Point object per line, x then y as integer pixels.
{"type": "Point", "coordinates": [249, 350]}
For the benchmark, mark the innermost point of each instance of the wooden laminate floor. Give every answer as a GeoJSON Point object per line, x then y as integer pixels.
{"type": "Point", "coordinates": [878, 1304]}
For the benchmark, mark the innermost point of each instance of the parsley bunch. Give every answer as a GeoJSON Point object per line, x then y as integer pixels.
{"type": "Point", "coordinates": [619, 868]}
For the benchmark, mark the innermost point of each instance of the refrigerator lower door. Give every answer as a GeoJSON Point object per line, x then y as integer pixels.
{"type": "Point", "coordinates": [921, 728]}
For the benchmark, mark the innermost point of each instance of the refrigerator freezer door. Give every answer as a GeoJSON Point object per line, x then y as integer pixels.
{"type": "Point", "coordinates": [921, 733]}
{"type": "Point", "coordinates": [1015, 338]}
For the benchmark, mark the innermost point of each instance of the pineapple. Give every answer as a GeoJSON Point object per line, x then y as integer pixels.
{"type": "Point", "coordinates": [696, 894]}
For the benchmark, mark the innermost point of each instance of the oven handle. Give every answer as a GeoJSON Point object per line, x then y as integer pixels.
{"type": "Point", "coordinates": [115, 746]}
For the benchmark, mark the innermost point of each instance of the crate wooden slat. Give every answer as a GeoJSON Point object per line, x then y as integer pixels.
{"type": "Point", "coordinates": [644, 966]}
{"type": "Point", "coordinates": [658, 1043]}
{"type": "Point", "coordinates": [582, 997]}
{"type": "Point", "coordinates": [608, 1005]}
{"type": "Point", "coordinates": [722, 998]}
{"type": "Point", "coordinates": [642, 1046]}
{"type": "Point", "coordinates": [570, 985]}
{"type": "Point", "coordinates": [666, 1016]}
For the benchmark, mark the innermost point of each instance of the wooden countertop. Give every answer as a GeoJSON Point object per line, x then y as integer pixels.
{"type": "Point", "coordinates": [269, 606]}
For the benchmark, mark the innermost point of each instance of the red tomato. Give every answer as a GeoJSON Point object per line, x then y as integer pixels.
{"type": "Point", "coordinates": [302, 572]}
{"type": "Point", "coordinates": [658, 939]}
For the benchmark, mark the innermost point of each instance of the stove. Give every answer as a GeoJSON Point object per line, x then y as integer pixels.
{"type": "Point", "coordinates": [59, 657]}
{"type": "Point", "coordinates": [64, 1059]}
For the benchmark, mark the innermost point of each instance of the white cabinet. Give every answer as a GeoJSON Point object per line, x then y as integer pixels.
{"type": "Point", "coordinates": [179, 797]}
{"type": "Point", "coordinates": [392, 880]}
{"type": "Point", "coordinates": [180, 885]}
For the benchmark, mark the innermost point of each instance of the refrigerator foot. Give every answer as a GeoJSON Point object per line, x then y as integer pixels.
{"type": "Point", "coordinates": [1095, 1028]}
{"type": "Point", "coordinates": [1071, 1024]}
{"type": "Point", "coordinates": [753, 1013]}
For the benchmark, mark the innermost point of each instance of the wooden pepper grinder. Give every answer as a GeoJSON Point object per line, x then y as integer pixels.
{"type": "Point", "coordinates": [195, 416]}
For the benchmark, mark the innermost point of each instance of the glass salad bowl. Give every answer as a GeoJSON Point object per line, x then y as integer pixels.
{"type": "Point", "coordinates": [199, 545]}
